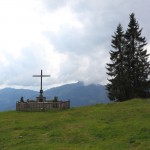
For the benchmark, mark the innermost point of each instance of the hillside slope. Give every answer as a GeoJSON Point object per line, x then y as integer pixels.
{"type": "Point", "coordinates": [112, 126]}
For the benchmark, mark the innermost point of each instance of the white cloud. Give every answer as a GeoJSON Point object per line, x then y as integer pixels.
{"type": "Point", "coordinates": [23, 45]}
{"type": "Point", "coordinates": [19, 26]}
{"type": "Point", "coordinates": [53, 21]}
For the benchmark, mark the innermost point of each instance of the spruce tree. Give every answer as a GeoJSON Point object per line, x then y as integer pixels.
{"type": "Point", "coordinates": [138, 67]}
{"type": "Point", "coordinates": [129, 68]}
{"type": "Point", "coordinates": [115, 68]}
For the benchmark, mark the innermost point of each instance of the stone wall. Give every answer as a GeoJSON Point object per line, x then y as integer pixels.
{"type": "Point", "coordinates": [42, 106]}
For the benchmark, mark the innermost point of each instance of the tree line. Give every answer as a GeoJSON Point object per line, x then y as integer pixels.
{"type": "Point", "coordinates": [129, 67]}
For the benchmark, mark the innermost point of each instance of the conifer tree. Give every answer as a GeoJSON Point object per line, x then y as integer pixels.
{"type": "Point", "coordinates": [115, 69]}
{"type": "Point", "coordinates": [129, 68]}
{"type": "Point", "coordinates": [138, 67]}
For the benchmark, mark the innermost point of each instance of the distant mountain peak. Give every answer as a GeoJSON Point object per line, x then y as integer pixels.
{"type": "Point", "coordinates": [80, 82]}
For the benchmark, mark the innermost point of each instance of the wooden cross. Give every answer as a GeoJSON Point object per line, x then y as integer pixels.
{"type": "Point", "coordinates": [41, 90]}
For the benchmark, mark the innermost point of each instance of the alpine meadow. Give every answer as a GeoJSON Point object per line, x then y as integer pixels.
{"type": "Point", "coordinates": [115, 126]}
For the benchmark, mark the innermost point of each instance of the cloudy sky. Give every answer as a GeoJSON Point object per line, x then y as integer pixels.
{"type": "Point", "coordinates": [68, 39]}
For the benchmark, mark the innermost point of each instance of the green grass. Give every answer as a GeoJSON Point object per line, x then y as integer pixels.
{"type": "Point", "coordinates": [116, 126]}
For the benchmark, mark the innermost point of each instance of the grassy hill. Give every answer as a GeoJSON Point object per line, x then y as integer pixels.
{"type": "Point", "coordinates": [115, 126]}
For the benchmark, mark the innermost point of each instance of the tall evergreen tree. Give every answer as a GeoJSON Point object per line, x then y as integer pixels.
{"type": "Point", "coordinates": [115, 68]}
{"type": "Point", "coordinates": [129, 68]}
{"type": "Point", "coordinates": [138, 67]}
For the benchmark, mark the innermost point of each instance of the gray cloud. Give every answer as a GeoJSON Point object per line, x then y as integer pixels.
{"type": "Point", "coordinates": [54, 4]}
{"type": "Point", "coordinates": [100, 20]}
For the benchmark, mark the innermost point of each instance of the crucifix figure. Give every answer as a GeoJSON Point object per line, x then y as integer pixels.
{"type": "Point", "coordinates": [41, 76]}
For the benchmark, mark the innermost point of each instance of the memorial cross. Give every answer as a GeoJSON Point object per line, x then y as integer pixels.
{"type": "Point", "coordinates": [41, 76]}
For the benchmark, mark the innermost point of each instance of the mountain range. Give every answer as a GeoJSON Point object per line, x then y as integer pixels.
{"type": "Point", "coordinates": [78, 94]}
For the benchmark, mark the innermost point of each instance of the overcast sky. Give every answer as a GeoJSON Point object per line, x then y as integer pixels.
{"type": "Point", "coordinates": [68, 39]}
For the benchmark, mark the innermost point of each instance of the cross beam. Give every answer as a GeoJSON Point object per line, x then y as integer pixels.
{"type": "Point", "coordinates": [41, 76]}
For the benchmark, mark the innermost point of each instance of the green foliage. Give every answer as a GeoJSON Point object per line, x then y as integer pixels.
{"type": "Point", "coordinates": [112, 126]}
{"type": "Point", "coordinates": [129, 68]}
